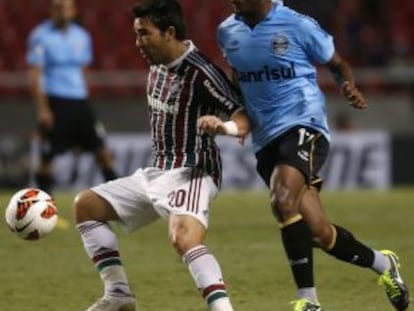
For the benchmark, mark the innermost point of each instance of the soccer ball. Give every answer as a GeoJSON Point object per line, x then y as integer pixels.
{"type": "Point", "coordinates": [31, 214]}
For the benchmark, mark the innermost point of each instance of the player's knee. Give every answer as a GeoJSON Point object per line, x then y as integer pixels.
{"type": "Point", "coordinates": [181, 239]}
{"type": "Point", "coordinates": [88, 205]}
{"type": "Point", "coordinates": [81, 206]}
{"type": "Point", "coordinates": [283, 203]}
{"type": "Point", "coordinates": [323, 235]}
{"type": "Point", "coordinates": [78, 209]}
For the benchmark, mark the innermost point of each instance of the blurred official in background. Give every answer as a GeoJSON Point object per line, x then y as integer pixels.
{"type": "Point", "coordinates": [59, 51]}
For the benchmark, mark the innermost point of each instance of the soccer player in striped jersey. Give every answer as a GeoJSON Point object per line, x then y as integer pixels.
{"type": "Point", "coordinates": [291, 136]}
{"type": "Point", "coordinates": [185, 174]}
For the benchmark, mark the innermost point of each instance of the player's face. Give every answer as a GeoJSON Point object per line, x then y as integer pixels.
{"type": "Point", "coordinates": [247, 6]}
{"type": "Point", "coordinates": [151, 42]}
{"type": "Point", "coordinates": [63, 11]}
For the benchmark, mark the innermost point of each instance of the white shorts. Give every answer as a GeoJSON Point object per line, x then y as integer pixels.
{"type": "Point", "coordinates": [149, 193]}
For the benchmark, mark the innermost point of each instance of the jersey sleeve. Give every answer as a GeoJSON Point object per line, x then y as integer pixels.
{"type": "Point", "coordinates": [220, 41]}
{"type": "Point", "coordinates": [36, 49]}
{"type": "Point", "coordinates": [218, 90]}
{"type": "Point", "coordinates": [87, 55]}
{"type": "Point", "coordinates": [225, 36]}
{"type": "Point", "coordinates": [318, 43]}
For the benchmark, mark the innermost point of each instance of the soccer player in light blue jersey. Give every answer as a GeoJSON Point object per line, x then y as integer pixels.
{"type": "Point", "coordinates": [59, 52]}
{"type": "Point", "coordinates": [272, 50]}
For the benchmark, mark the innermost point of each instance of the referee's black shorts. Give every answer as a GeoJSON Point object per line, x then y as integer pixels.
{"type": "Point", "coordinates": [301, 147]}
{"type": "Point", "coordinates": [74, 126]}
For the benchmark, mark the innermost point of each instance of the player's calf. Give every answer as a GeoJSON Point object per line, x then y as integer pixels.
{"type": "Point", "coordinates": [207, 275]}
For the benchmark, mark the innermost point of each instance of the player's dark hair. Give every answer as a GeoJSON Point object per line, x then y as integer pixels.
{"type": "Point", "coordinates": [163, 14]}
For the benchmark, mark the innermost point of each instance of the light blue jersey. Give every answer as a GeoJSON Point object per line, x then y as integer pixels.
{"type": "Point", "coordinates": [280, 2]}
{"type": "Point", "coordinates": [62, 56]}
{"type": "Point", "coordinates": [274, 66]}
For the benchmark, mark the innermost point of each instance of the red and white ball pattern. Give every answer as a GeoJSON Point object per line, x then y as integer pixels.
{"type": "Point", "coordinates": [31, 214]}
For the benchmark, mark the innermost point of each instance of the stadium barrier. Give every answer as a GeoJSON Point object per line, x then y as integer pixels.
{"type": "Point", "coordinates": [402, 75]}
{"type": "Point", "coordinates": [359, 159]}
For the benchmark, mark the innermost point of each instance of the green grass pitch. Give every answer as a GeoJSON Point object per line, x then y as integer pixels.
{"type": "Point", "coordinates": [54, 274]}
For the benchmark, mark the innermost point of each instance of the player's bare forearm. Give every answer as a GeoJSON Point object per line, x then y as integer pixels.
{"type": "Point", "coordinates": [35, 77]}
{"type": "Point", "coordinates": [342, 74]}
{"type": "Point", "coordinates": [44, 114]}
{"type": "Point", "coordinates": [242, 121]}
{"type": "Point", "coordinates": [87, 76]}
{"type": "Point", "coordinates": [340, 70]}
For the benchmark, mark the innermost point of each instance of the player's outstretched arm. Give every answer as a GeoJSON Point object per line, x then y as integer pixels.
{"type": "Point", "coordinates": [238, 126]}
{"type": "Point", "coordinates": [343, 76]}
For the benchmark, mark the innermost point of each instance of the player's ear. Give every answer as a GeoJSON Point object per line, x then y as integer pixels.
{"type": "Point", "coordinates": [171, 33]}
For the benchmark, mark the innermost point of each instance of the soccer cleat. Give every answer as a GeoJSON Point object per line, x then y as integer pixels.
{"type": "Point", "coordinates": [304, 304]}
{"type": "Point", "coordinates": [395, 287]}
{"type": "Point", "coordinates": [114, 304]}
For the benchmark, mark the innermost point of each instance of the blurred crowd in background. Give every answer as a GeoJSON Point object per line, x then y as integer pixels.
{"type": "Point", "coordinates": [375, 36]}
{"type": "Point", "coordinates": [369, 33]}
